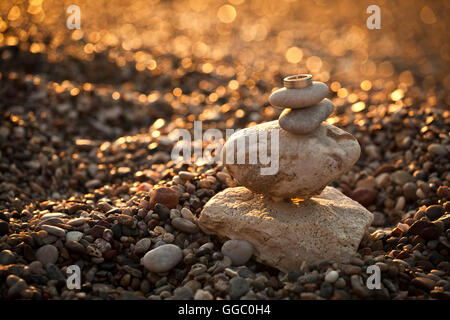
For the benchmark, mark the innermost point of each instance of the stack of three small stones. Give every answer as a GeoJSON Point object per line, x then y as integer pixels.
{"type": "Point", "coordinates": [305, 103]}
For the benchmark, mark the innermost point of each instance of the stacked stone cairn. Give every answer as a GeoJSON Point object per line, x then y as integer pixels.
{"type": "Point", "coordinates": [290, 215]}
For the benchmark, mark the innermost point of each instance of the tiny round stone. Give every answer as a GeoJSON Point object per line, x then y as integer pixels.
{"type": "Point", "coordinates": [239, 251]}
{"type": "Point", "coordinates": [4, 227]}
{"type": "Point", "coordinates": [203, 295]}
{"type": "Point", "coordinates": [7, 257]}
{"type": "Point", "coordinates": [434, 212]}
{"type": "Point", "coordinates": [162, 211]}
{"type": "Point", "coordinates": [238, 287]}
{"type": "Point", "coordinates": [185, 225]}
{"type": "Point", "coordinates": [75, 247]}
{"type": "Point", "coordinates": [409, 190]}
{"type": "Point", "coordinates": [74, 236]}
{"type": "Point", "coordinates": [365, 196]}
{"type": "Point", "coordinates": [165, 196]}
{"type": "Point", "coordinates": [47, 254]}
{"type": "Point", "coordinates": [142, 246]}
{"type": "Point", "coordinates": [332, 276]}
{"type": "Point", "coordinates": [186, 175]}
{"type": "Point", "coordinates": [163, 258]}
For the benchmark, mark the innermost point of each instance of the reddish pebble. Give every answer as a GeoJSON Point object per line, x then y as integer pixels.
{"type": "Point", "coordinates": [443, 192]}
{"type": "Point", "coordinates": [144, 187]}
{"type": "Point", "coordinates": [152, 224]}
{"type": "Point", "coordinates": [365, 196]}
{"type": "Point", "coordinates": [165, 196]}
{"type": "Point", "coordinates": [110, 254]}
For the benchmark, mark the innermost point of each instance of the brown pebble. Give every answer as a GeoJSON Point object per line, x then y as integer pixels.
{"type": "Point", "coordinates": [364, 196]}
{"type": "Point", "coordinates": [97, 231]}
{"type": "Point", "coordinates": [423, 283]}
{"type": "Point", "coordinates": [165, 196]}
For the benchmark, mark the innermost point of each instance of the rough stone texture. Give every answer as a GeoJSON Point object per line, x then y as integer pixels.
{"type": "Point", "coordinates": [299, 98]}
{"type": "Point", "coordinates": [307, 163]}
{"type": "Point", "coordinates": [328, 227]}
{"type": "Point", "coordinates": [303, 121]}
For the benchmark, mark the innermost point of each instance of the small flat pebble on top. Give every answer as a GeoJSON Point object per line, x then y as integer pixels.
{"type": "Point", "coordinates": [239, 251]}
{"type": "Point", "coordinates": [303, 121]}
{"type": "Point", "coordinates": [299, 98]}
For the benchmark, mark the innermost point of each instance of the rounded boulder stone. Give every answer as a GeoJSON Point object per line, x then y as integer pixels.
{"type": "Point", "coordinates": [301, 167]}
{"type": "Point", "coordinates": [299, 98]}
{"type": "Point", "coordinates": [163, 258]}
{"type": "Point", "coordinates": [303, 121]}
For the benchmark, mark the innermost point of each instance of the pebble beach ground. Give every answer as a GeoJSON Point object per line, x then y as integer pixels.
{"type": "Point", "coordinates": [86, 132]}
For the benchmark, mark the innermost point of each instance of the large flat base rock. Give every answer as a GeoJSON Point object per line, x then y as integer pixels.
{"type": "Point", "coordinates": [327, 227]}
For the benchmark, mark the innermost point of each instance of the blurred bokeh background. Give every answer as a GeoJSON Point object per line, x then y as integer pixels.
{"type": "Point", "coordinates": [160, 65]}
{"type": "Point", "coordinates": [229, 55]}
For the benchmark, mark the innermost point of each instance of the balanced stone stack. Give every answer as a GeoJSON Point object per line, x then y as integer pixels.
{"type": "Point", "coordinates": [291, 216]}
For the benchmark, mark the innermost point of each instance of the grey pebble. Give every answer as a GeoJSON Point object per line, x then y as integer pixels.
{"type": "Point", "coordinates": [7, 257]}
{"type": "Point", "coordinates": [185, 225]}
{"type": "Point", "coordinates": [163, 258]}
{"type": "Point", "coordinates": [47, 254]}
{"type": "Point", "coordinates": [239, 251]}
{"type": "Point", "coordinates": [238, 287]}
